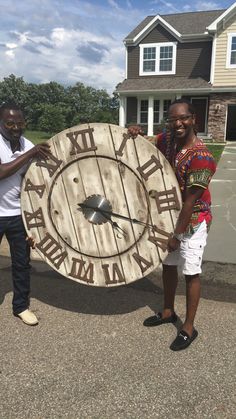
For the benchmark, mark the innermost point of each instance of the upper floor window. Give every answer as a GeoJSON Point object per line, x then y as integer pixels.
{"type": "Point", "coordinates": [231, 51]}
{"type": "Point", "coordinates": [157, 59]}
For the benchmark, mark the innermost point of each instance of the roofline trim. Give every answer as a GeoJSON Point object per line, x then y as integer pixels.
{"type": "Point", "coordinates": [187, 90]}
{"type": "Point", "coordinates": [184, 38]}
{"type": "Point", "coordinates": [213, 25]}
{"type": "Point", "coordinates": [149, 25]}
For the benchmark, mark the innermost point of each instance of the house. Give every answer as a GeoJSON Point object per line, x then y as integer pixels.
{"type": "Point", "coordinates": [190, 55]}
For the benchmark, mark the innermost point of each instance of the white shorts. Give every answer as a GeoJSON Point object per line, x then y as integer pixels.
{"type": "Point", "coordinates": [189, 254]}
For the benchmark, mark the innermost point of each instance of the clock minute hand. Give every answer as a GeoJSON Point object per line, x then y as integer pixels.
{"type": "Point", "coordinates": [114, 214]}
{"type": "Point", "coordinates": [106, 214]}
{"type": "Point", "coordinates": [113, 223]}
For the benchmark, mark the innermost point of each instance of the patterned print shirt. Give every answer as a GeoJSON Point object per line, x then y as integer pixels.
{"type": "Point", "coordinates": [193, 166]}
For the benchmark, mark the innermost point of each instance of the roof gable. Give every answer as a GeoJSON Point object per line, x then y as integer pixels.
{"type": "Point", "coordinates": [179, 24]}
{"type": "Point", "coordinates": [224, 17]}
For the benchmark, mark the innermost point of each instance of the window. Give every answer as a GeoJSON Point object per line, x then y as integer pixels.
{"type": "Point", "coordinates": [166, 58]}
{"type": "Point", "coordinates": [144, 111]}
{"type": "Point", "coordinates": [160, 110]}
{"type": "Point", "coordinates": [156, 111]}
{"type": "Point", "coordinates": [231, 51]}
{"type": "Point", "coordinates": [157, 59]}
{"type": "Point", "coordinates": [149, 59]}
{"type": "Point", "coordinates": [166, 105]}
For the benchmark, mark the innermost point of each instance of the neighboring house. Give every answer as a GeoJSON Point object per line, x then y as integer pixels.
{"type": "Point", "coordinates": [190, 55]}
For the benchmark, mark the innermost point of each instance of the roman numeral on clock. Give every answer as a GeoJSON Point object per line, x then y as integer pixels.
{"type": "Point", "coordinates": [34, 219]}
{"type": "Point", "coordinates": [52, 168]}
{"type": "Point", "coordinates": [148, 168]}
{"type": "Point", "coordinates": [51, 249]}
{"type": "Point", "coordinates": [123, 144]}
{"type": "Point", "coordinates": [86, 139]}
{"type": "Point", "coordinates": [166, 200]}
{"type": "Point", "coordinates": [159, 241]}
{"type": "Point", "coordinates": [117, 276]}
{"type": "Point", "coordinates": [82, 272]}
{"type": "Point", "coordinates": [39, 189]}
{"type": "Point", "coordinates": [143, 263]}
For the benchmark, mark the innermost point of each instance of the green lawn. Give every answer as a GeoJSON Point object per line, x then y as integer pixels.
{"type": "Point", "coordinates": [216, 150]}
{"type": "Point", "coordinates": [37, 136]}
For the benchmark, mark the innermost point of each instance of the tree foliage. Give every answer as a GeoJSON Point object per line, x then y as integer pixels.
{"type": "Point", "coordinates": [53, 107]}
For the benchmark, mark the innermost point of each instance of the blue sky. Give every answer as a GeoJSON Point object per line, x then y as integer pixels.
{"type": "Point", "coordinates": [76, 40]}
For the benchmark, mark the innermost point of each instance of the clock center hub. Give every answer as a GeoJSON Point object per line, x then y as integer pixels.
{"type": "Point", "coordinates": [96, 209]}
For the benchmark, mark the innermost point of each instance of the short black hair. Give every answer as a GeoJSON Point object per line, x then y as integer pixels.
{"type": "Point", "coordinates": [186, 102]}
{"type": "Point", "coordinates": [8, 105]}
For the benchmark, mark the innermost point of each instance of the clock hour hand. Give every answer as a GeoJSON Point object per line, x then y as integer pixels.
{"type": "Point", "coordinates": [114, 214]}
{"type": "Point", "coordinates": [104, 213]}
{"type": "Point", "coordinates": [114, 224]}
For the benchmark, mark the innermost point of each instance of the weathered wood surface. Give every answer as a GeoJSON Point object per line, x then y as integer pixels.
{"type": "Point", "coordinates": [100, 159]}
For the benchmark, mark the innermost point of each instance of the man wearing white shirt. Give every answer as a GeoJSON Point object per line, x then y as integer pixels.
{"type": "Point", "coordinates": [15, 155]}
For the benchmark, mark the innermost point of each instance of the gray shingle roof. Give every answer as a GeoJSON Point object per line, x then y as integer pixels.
{"type": "Point", "coordinates": [162, 84]}
{"type": "Point", "coordinates": [185, 23]}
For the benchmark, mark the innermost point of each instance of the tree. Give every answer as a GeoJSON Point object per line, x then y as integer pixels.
{"type": "Point", "coordinates": [52, 119]}
{"type": "Point", "coordinates": [14, 89]}
{"type": "Point", "coordinates": [53, 107]}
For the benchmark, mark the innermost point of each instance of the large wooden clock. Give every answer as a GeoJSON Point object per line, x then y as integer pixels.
{"type": "Point", "coordinates": [102, 207]}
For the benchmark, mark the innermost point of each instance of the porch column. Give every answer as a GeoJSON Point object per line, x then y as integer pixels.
{"type": "Point", "coordinates": [150, 116]}
{"type": "Point", "coordinates": [122, 111]}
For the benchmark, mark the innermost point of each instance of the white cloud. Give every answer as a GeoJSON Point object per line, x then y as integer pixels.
{"type": "Point", "coordinates": [11, 45]}
{"type": "Point", "coordinates": [168, 7]}
{"type": "Point", "coordinates": [76, 40]}
{"type": "Point", "coordinates": [10, 54]}
{"type": "Point", "coordinates": [66, 60]}
{"type": "Point", "coordinates": [204, 5]}
{"type": "Point", "coordinates": [113, 3]}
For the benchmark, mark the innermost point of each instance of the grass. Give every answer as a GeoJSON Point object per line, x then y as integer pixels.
{"type": "Point", "coordinates": [37, 136]}
{"type": "Point", "coordinates": [40, 136]}
{"type": "Point", "coordinates": [216, 150]}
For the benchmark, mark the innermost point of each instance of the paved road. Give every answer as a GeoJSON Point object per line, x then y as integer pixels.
{"type": "Point", "coordinates": [90, 357]}
{"type": "Point", "coordinates": [222, 237]}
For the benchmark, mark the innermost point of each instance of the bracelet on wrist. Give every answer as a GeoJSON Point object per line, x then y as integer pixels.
{"type": "Point", "coordinates": [179, 236]}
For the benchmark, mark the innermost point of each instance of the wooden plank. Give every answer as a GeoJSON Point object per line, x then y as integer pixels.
{"type": "Point", "coordinates": [99, 159]}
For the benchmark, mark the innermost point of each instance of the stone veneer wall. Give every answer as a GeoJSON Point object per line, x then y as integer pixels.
{"type": "Point", "coordinates": [217, 114]}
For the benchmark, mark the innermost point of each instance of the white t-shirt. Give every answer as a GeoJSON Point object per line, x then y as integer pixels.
{"type": "Point", "coordinates": [10, 187]}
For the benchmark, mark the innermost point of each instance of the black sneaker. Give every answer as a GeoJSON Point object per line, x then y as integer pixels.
{"type": "Point", "coordinates": [183, 340]}
{"type": "Point", "coordinates": [157, 320]}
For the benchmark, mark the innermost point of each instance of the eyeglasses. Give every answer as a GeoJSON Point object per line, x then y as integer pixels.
{"type": "Point", "coordinates": [11, 124]}
{"type": "Point", "coordinates": [181, 118]}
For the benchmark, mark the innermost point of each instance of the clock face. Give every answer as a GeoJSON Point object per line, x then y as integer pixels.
{"type": "Point", "coordinates": [102, 207]}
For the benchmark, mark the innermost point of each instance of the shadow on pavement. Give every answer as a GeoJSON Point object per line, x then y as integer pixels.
{"type": "Point", "coordinates": [55, 290]}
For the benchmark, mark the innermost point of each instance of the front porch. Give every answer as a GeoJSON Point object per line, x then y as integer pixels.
{"type": "Point", "coordinates": [216, 113]}
{"type": "Point", "coordinates": [150, 112]}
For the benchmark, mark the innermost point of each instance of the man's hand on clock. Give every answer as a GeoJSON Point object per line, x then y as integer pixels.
{"type": "Point", "coordinates": [173, 244]}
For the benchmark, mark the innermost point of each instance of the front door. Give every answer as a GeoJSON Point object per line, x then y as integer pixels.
{"type": "Point", "coordinates": [200, 105]}
{"type": "Point", "coordinates": [231, 123]}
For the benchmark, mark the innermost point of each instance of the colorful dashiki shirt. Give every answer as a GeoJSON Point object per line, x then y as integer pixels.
{"type": "Point", "coordinates": [193, 166]}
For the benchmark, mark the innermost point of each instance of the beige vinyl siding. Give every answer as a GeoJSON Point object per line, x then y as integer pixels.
{"type": "Point", "coordinates": [224, 76]}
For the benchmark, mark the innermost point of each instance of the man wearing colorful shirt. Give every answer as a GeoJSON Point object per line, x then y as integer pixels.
{"type": "Point", "coordinates": [194, 166]}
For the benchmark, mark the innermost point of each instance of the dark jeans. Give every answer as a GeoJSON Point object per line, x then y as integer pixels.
{"type": "Point", "coordinates": [14, 230]}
